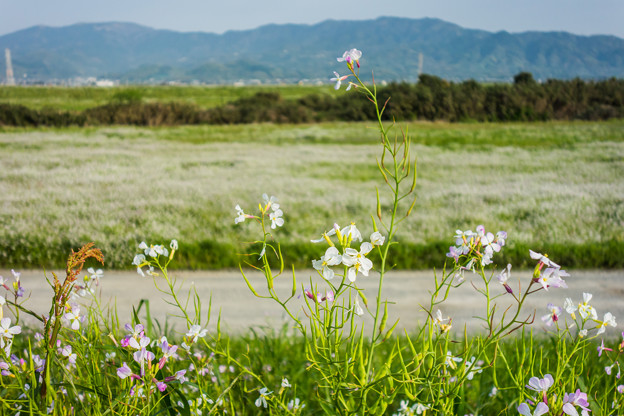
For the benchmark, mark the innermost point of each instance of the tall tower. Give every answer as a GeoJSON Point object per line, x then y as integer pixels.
{"type": "Point", "coordinates": [10, 79]}
{"type": "Point", "coordinates": [420, 63]}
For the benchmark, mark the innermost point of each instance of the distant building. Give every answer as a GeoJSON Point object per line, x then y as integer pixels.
{"type": "Point", "coordinates": [10, 79]}
{"type": "Point", "coordinates": [105, 83]}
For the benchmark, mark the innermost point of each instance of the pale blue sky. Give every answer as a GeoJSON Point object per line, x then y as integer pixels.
{"type": "Point", "coordinates": [584, 17]}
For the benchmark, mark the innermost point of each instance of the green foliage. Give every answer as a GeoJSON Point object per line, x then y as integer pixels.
{"type": "Point", "coordinates": [432, 98]}
{"type": "Point", "coordinates": [127, 96]}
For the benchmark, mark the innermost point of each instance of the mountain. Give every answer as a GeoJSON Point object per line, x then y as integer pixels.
{"type": "Point", "coordinates": [289, 53]}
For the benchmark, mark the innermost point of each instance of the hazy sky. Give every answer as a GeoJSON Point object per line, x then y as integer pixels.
{"type": "Point", "coordinates": [585, 17]}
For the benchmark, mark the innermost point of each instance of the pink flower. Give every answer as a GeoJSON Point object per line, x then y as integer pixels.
{"type": "Point", "coordinates": [317, 297]}
{"type": "Point", "coordinates": [124, 371]}
{"type": "Point", "coordinates": [602, 348]}
{"type": "Point", "coordinates": [168, 351]}
{"type": "Point", "coordinates": [454, 253]}
{"type": "Point", "coordinates": [4, 369]}
{"type": "Point", "coordinates": [553, 316]}
{"type": "Point", "coordinates": [504, 276]}
{"type": "Point", "coordinates": [350, 56]}
{"type": "Point", "coordinates": [575, 399]}
{"type": "Point", "coordinates": [540, 385]}
{"type": "Point", "coordinates": [179, 375]}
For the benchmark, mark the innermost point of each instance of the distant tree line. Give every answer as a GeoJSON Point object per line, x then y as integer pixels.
{"type": "Point", "coordinates": [431, 98]}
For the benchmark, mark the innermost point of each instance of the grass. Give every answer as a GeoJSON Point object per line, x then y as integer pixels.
{"type": "Point", "coordinates": [552, 186]}
{"type": "Point", "coordinates": [81, 98]}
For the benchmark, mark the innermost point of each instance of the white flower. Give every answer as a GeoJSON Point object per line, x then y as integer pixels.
{"type": "Point", "coordinates": [261, 401]}
{"type": "Point", "coordinates": [241, 215]}
{"type": "Point", "coordinates": [173, 245]}
{"type": "Point", "coordinates": [543, 259]}
{"type": "Point", "coordinates": [350, 56]}
{"type": "Point", "coordinates": [6, 330]}
{"type": "Point", "coordinates": [540, 385]}
{"type": "Point", "coordinates": [161, 250]}
{"type": "Point", "coordinates": [449, 360]}
{"type": "Point", "coordinates": [356, 261]}
{"type": "Point", "coordinates": [569, 307]}
{"type": "Point", "coordinates": [480, 231]}
{"type": "Point", "coordinates": [95, 275]}
{"type": "Point", "coordinates": [462, 238]}
{"type": "Point", "coordinates": [487, 258]}
{"type": "Point", "coordinates": [285, 383]}
{"type": "Point", "coordinates": [325, 236]}
{"type": "Point", "coordinates": [406, 410]}
{"type": "Point", "coordinates": [440, 322]}
{"type": "Point", "coordinates": [276, 219]}
{"type": "Point", "coordinates": [551, 277]}
{"type": "Point", "coordinates": [419, 408]}
{"type": "Point", "coordinates": [138, 260]}
{"type": "Point", "coordinates": [474, 370]}
{"type": "Point", "coordinates": [338, 79]}
{"type": "Point", "coordinates": [67, 352]}
{"type": "Point", "coordinates": [332, 257]}
{"type": "Point", "coordinates": [351, 233]}
{"type": "Point", "coordinates": [295, 404]}
{"type": "Point", "coordinates": [608, 319]}
{"type": "Point", "coordinates": [377, 239]}
{"type": "Point", "coordinates": [141, 343]}
{"type": "Point", "coordinates": [16, 275]}
{"type": "Point", "coordinates": [357, 309]}
{"type": "Point", "coordinates": [585, 310]}
{"type": "Point", "coordinates": [74, 317]}
{"type": "Point", "coordinates": [490, 245]}
{"type": "Point", "coordinates": [196, 331]}
{"type": "Point", "coordinates": [153, 250]}
{"type": "Point", "coordinates": [504, 275]}
{"type": "Point", "coordinates": [272, 202]}
{"type": "Point", "coordinates": [540, 409]}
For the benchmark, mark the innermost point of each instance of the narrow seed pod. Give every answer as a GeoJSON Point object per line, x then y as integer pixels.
{"type": "Point", "coordinates": [378, 205]}
{"type": "Point", "coordinates": [384, 318]}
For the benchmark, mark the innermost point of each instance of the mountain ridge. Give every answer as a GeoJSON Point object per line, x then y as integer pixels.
{"type": "Point", "coordinates": [292, 52]}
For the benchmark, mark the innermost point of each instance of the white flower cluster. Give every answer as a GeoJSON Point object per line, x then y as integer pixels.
{"type": "Point", "coordinates": [552, 276]}
{"type": "Point", "coordinates": [480, 244]}
{"type": "Point", "coordinates": [153, 251]}
{"type": "Point", "coordinates": [269, 202]}
{"type": "Point", "coordinates": [355, 260]}
{"type": "Point", "coordinates": [588, 313]}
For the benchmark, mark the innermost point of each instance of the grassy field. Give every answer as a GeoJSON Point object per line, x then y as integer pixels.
{"type": "Point", "coordinates": [81, 98]}
{"type": "Point", "coordinates": [551, 186]}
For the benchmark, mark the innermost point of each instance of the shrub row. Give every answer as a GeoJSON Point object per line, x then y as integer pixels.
{"type": "Point", "coordinates": [432, 98]}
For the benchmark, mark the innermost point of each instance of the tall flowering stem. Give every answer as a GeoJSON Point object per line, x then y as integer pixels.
{"type": "Point", "coordinates": [60, 302]}
{"type": "Point", "coordinates": [399, 172]}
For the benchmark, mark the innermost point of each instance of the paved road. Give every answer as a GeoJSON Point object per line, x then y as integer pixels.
{"type": "Point", "coordinates": [241, 310]}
